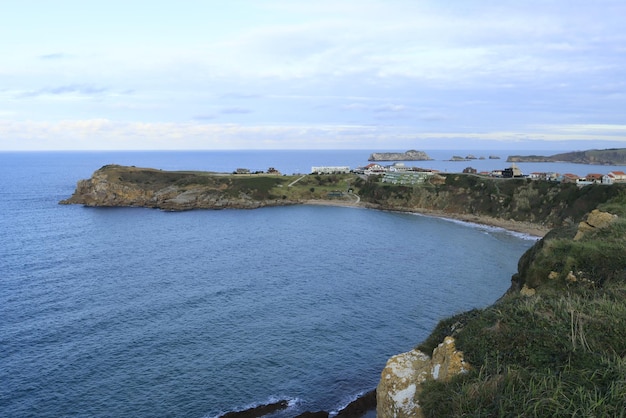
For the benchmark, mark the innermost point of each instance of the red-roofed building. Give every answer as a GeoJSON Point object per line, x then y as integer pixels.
{"type": "Point", "coordinates": [594, 177]}
{"type": "Point", "coordinates": [570, 178]}
{"type": "Point", "coordinates": [614, 177]}
{"type": "Point", "coordinates": [374, 168]}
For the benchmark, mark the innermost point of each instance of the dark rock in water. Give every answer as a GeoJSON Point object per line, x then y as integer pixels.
{"type": "Point", "coordinates": [257, 411]}
{"type": "Point", "coordinates": [360, 406]}
{"type": "Point", "coordinates": [319, 414]}
{"type": "Point", "coordinates": [355, 409]}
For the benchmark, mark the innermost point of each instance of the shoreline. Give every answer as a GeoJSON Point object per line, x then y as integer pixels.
{"type": "Point", "coordinates": [526, 228]}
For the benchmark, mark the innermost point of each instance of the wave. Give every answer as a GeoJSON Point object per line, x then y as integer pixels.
{"type": "Point", "coordinates": [273, 403]}
{"type": "Point", "coordinates": [347, 401]}
{"type": "Point", "coordinates": [483, 227]}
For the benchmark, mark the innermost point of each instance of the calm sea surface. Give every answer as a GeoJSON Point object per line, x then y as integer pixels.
{"type": "Point", "coordinates": [143, 313]}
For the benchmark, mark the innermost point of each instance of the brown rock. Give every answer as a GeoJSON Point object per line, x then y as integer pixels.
{"type": "Point", "coordinates": [595, 220]}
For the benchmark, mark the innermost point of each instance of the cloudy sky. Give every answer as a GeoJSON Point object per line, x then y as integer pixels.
{"type": "Point", "coordinates": [323, 74]}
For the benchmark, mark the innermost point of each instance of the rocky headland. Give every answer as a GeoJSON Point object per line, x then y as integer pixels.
{"type": "Point", "coordinates": [552, 345]}
{"type": "Point", "coordinates": [410, 155]}
{"type": "Point", "coordinates": [612, 156]}
{"type": "Point", "coordinates": [123, 186]}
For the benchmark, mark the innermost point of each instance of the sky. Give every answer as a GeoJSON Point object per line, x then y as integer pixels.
{"type": "Point", "coordinates": [301, 74]}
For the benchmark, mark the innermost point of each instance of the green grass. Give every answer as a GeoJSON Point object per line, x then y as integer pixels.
{"type": "Point", "coordinates": [559, 353]}
{"type": "Point", "coordinates": [551, 355]}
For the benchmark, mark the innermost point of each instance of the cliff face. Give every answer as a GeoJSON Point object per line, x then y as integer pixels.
{"type": "Point", "coordinates": [554, 344]}
{"type": "Point", "coordinates": [114, 185]}
{"type": "Point", "coordinates": [522, 200]}
{"type": "Point", "coordinates": [538, 202]}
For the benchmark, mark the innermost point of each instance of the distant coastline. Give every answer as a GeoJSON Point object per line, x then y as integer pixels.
{"type": "Point", "coordinates": [611, 156]}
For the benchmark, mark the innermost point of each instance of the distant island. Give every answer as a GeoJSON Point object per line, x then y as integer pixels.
{"type": "Point", "coordinates": [410, 155]}
{"type": "Point", "coordinates": [611, 156]}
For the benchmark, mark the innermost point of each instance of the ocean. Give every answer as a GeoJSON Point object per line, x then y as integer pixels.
{"type": "Point", "coordinates": [139, 312]}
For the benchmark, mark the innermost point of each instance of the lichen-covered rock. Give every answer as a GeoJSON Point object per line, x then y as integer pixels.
{"type": "Point", "coordinates": [396, 394]}
{"type": "Point", "coordinates": [447, 361]}
{"type": "Point", "coordinates": [398, 391]}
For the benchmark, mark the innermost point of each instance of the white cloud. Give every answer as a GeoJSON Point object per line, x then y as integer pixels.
{"type": "Point", "coordinates": [537, 67]}
{"type": "Point", "coordinates": [103, 134]}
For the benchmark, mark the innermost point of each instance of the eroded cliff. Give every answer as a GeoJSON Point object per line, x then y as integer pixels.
{"type": "Point", "coordinates": [114, 185]}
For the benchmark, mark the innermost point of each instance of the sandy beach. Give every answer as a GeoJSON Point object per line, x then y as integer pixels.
{"type": "Point", "coordinates": [527, 228]}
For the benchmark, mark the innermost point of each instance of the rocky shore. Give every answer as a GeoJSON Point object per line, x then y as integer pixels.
{"type": "Point", "coordinates": [362, 407]}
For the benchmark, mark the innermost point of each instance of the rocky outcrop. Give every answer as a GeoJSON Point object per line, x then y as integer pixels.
{"type": "Point", "coordinates": [410, 155]}
{"type": "Point", "coordinates": [113, 186]}
{"type": "Point", "coordinates": [400, 384]}
{"type": "Point", "coordinates": [258, 411]}
{"type": "Point", "coordinates": [595, 220]}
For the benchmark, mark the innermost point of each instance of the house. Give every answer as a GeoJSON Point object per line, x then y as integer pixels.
{"type": "Point", "coordinates": [242, 171]}
{"type": "Point", "coordinates": [614, 177]}
{"type": "Point", "coordinates": [470, 170]}
{"type": "Point", "coordinates": [594, 178]}
{"type": "Point", "coordinates": [374, 168]}
{"type": "Point", "coordinates": [535, 175]}
{"type": "Point", "coordinates": [553, 176]}
{"type": "Point", "coordinates": [397, 167]}
{"type": "Point", "coordinates": [512, 171]}
{"type": "Point", "coordinates": [570, 178]}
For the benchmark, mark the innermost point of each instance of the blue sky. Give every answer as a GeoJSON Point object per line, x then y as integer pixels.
{"type": "Point", "coordinates": [324, 74]}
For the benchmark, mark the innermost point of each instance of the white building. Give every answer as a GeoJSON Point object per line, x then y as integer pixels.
{"type": "Point", "coordinates": [614, 177]}
{"type": "Point", "coordinates": [330, 170]}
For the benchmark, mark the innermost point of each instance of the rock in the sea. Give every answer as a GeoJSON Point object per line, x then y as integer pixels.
{"type": "Point", "coordinates": [400, 384]}
{"type": "Point", "coordinates": [360, 406]}
{"type": "Point", "coordinates": [319, 414]}
{"type": "Point", "coordinates": [258, 411]}
{"type": "Point", "coordinates": [410, 155]}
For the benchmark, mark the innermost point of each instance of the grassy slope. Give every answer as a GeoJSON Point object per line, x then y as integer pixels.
{"type": "Point", "coordinates": [558, 353]}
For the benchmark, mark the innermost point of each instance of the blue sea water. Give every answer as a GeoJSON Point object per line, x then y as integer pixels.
{"type": "Point", "coordinates": [138, 312]}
